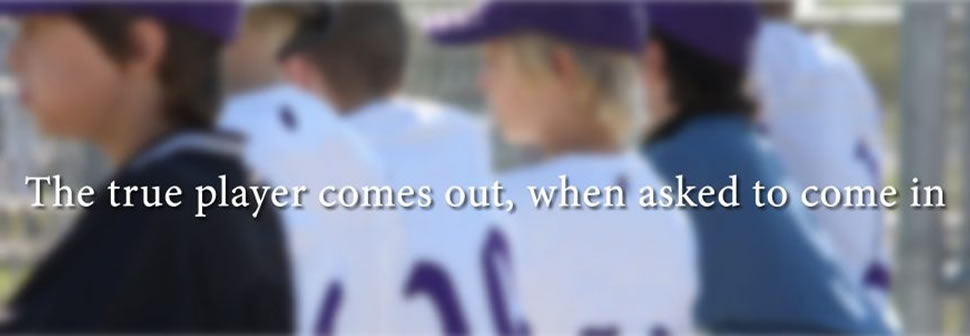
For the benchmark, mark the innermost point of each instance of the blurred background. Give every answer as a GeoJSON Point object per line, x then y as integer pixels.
{"type": "Point", "coordinates": [916, 54]}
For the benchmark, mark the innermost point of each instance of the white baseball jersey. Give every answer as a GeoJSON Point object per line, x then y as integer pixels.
{"type": "Point", "coordinates": [824, 119]}
{"type": "Point", "coordinates": [456, 258]}
{"type": "Point", "coordinates": [341, 259]}
{"type": "Point", "coordinates": [601, 271]}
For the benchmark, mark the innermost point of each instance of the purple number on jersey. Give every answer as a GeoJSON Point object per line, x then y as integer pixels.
{"type": "Point", "coordinates": [328, 314]}
{"type": "Point", "coordinates": [494, 254]}
{"type": "Point", "coordinates": [864, 153]}
{"type": "Point", "coordinates": [877, 275]}
{"type": "Point", "coordinates": [427, 278]}
{"type": "Point", "coordinates": [599, 331]}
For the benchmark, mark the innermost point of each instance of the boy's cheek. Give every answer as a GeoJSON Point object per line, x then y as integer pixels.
{"type": "Point", "coordinates": [56, 102]}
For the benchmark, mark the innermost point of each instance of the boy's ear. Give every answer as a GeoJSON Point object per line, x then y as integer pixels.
{"type": "Point", "coordinates": [570, 74]}
{"type": "Point", "coordinates": [653, 62]}
{"type": "Point", "coordinates": [150, 42]}
{"type": "Point", "coordinates": [565, 65]}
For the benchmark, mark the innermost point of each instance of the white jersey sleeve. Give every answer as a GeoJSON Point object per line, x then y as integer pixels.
{"type": "Point", "coordinates": [824, 120]}
{"type": "Point", "coordinates": [341, 258]}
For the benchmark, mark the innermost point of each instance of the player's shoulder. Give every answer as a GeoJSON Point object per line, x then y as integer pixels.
{"type": "Point", "coordinates": [704, 136]}
{"type": "Point", "coordinates": [438, 114]}
{"type": "Point", "coordinates": [187, 158]}
{"type": "Point", "coordinates": [414, 115]}
{"type": "Point", "coordinates": [282, 105]}
{"type": "Point", "coordinates": [584, 169]}
{"type": "Point", "coordinates": [711, 148]}
{"type": "Point", "coordinates": [782, 47]}
{"type": "Point", "coordinates": [830, 51]}
{"type": "Point", "coordinates": [841, 67]}
{"type": "Point", "coordinates": [533, 173]}
{"type": "Point", "coordinates": [275, 94]}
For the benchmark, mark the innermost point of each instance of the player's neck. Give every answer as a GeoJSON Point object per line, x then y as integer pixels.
{"type": "Point", "coordinates": [347, 106]}
{"type": "Point", "coordinates": [577, 132]}
{"type": "Point", "coordinates": [267, 81]}
{"type": "Point", "coordinates": [589, 142]}
{"type": "Point", "coordinates": [137, 125]}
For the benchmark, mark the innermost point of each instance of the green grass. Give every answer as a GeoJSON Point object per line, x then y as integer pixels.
{"type": "Point", "coordinates": [9, 281]}
{"type": "Point", "coordinates": [6, 281]}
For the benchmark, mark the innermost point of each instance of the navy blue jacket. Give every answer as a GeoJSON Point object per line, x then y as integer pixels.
{"type": "Point", "coordinates": [152, 270]}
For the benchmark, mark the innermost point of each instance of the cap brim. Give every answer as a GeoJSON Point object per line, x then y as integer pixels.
{"type": "Point", "coordinates": [459, 35]}
{"type": "Point", "coordinates": [18, 8]}
{"type": "Point", "coordinates": [460, 29]}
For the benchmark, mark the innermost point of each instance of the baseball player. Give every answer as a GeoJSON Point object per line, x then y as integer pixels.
{"type": "Point", "coordinates": [763, 269]}
{"type": "Point", "coordinates": [823, 118]}
{"type": "Point", "coordinates": [570, 91]}
{"type": "Point", "coordinates": [140, 81]}
{"type": "Point", "coordinates": [294, 139]}
{"type": "Point", "coordinates": [357, 64]}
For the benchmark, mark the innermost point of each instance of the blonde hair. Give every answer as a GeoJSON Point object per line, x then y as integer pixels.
{"type": "Point", "coordinates": [275, 22]}
{"type": "Point", "coordinates": [612, 75]}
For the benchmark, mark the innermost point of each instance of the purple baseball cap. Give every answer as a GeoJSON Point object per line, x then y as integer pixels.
{"type": "Point", "coordinates": [219, 18]}
{"type": "Point", "coordinates": [722, 30]}
{"type": "Point", "coordinates": [609, 24]}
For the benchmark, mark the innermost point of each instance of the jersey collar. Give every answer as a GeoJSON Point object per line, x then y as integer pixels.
{"type": "Point", "coordinates": [215, 143]}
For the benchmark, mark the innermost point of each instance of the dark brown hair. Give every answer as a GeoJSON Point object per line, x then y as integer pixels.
{"type": "Point", "coordinates": [189, 70]}
{"type": "Point", "coordinates": [700, 85]}
{"type": "Point", "coordinates": [360, 45]}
